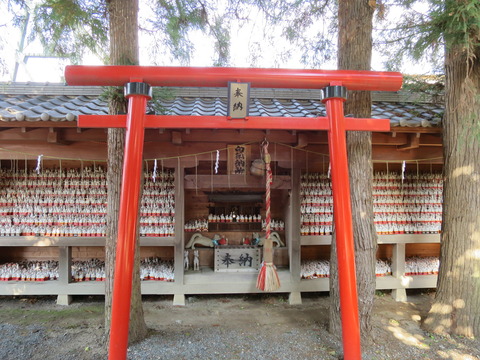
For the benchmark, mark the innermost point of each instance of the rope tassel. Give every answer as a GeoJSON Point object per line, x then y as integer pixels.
{"type": "Point", "coordinates": [268, 279]}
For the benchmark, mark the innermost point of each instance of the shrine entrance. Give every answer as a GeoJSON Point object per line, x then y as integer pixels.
{"type": "Point", "coordinates": [138, 81]}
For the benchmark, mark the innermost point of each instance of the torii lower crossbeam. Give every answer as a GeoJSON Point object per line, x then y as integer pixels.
{"type": "Point", "coordinates": [334, 84]}
{"type": "Point", "coordinates": [222, 122]}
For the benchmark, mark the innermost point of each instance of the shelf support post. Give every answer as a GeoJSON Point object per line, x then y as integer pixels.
{"type": "Point", "coordinates": [179, 271]}
{"type": "Point", "coordinates": [294, 246]}
{"type": "Point", "coordinates": [64, 272]}
{"type": "Point", "coordinates": [398, 271]}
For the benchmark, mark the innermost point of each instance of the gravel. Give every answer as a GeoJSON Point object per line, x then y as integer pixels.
{"type": "Point", "coordinates": [20, 342]}
{"type": "Point", "coordinates": [221, 327]}
{"type": "Point", "coordinates": [216, 343]}
{"type": "Point", "coordinates": [32, 342]}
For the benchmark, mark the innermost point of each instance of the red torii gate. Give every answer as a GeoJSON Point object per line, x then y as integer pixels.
{"type": "Point", "coordinates": [137, 81]}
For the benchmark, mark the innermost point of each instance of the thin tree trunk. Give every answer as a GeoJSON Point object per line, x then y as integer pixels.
{"type": "Point", "coordinates": [116, 144]}
{"type": "Point", "coordinates": [354, 53]}
{"type": "Point", "coordinates": [123, 51]}
{"type": "Point", "coordinates": [364, 232]}
{"type": "Point", "coordinates": [456, 309]}
{"type": "Point", "coordinates": [335, 321]}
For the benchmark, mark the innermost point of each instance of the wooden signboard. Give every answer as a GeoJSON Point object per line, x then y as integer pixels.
{"type": "Point", "coordinates": [238, 159]}
{"type": "Point", "coordinates": [237, 258]}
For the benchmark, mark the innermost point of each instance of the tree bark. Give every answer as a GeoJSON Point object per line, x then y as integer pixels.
{"type": "Point", "coordinates": [123, 18]}
{"type": "Point", "coordinates": [354, 53]}
{"type": "Point", "coordinates": [456, 309]}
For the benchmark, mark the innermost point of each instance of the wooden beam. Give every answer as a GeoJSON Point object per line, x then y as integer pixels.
{"type": "Point", "coordinates": [302, 141]}
{"type": "Point", "coordinates": [429, 155]}
{"type": "Point", "coordinates": [177, 138]}
{"type": "Point", "coordinates": [418, 129]}
{"type": "Point", "coordinates": [52, 136]}
{"type": "Point", "coordinates": [232, 136]}
{"type": "Point", "coordinates": [235, 182]}
{"type": "Point", "coordinates": [38, 124]}
{"type": "Point", "coordinates": [90, 150]}
{"type": "Point", "coordinates": [413, 142]}
{"type": "Point", "coordinates": [403, 138]}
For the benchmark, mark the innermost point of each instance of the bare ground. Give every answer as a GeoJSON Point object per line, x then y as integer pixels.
{"type": "Point", "coordinates": [222, 327]}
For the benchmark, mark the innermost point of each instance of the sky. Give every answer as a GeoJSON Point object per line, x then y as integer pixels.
{"type": "Point", "coordinates": [51, 70]}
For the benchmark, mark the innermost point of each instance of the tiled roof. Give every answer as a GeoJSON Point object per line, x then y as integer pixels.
{"type": "Point", "coordinates": [53, 102]}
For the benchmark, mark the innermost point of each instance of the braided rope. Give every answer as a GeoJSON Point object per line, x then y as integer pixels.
{"type": "Point", "coordinates": [269, 179]}
{"type": "Point", "coordinates": [268, 279]}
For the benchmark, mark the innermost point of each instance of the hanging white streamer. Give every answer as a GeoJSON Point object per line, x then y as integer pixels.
{"type": "Point", "coordinates": [403, 170]}
{"type": "Point", "coordinates": [217, 160]}
{"type": "Point", "coordinates": [154, 174]}
{"type": "Point", "coordinates": [39, 164]}
{"type": "Point", "coordinates": [329, 170]}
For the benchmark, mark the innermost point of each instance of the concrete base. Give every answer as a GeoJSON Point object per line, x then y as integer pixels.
{"type": "Point", "coordinates": [179, 300]}
{"type": "Point", "coordinates": [295, 298]}
{"type": "Point", "coordinates": [64, 300]}
{"type": "Point", "coordinates": [399, 294]}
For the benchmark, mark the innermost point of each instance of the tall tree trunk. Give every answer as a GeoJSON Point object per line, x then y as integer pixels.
{"type": "Point", "coordinates": [354, 53]}
{"type": "Point", "coordinates": [456, 309]}
{"type": "Point", "coordinates": [123, 16]}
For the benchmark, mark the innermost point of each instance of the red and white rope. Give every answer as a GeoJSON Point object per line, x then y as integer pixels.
{"type": "Point", "coordinates": [269, 179]}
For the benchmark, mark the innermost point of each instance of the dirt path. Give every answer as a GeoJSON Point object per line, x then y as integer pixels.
{"type": "Point", "coordinates": [221, 327]}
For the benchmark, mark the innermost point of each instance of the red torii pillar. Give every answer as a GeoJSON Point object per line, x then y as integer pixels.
{"type": "Point", "coordinates": [137, 81]}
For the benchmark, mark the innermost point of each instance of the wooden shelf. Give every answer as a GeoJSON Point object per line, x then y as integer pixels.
{"type": "Point", "coordinates": [207, 281]}
{"type": "Point", "coordinates": [235, 226]}
{"type": "Point", "coordinates": [77, 241]}
{"type": "Point", "coordinates": [319, 284]}
{"type": "Point", "coordinates": [406, 282]}
{"type": "Point", "coordinates": [382, 283]}
{"type": "Point", "coordinates": [409, 238]}
{"type": "Point", "coordinates": [382, 239]}
{"type": "Point", "coordinates": [316, 240]}
{"type": "Point", "coordinates": [149, 287]}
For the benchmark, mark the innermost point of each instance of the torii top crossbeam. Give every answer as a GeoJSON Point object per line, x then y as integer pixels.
{"type": "Point", "coordinates": [219, 77]}
{"type": "Point", "coordinates": [137, 81]}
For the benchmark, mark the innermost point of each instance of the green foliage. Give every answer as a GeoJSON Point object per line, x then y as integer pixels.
{"type": "Point", "coordinates": [16, 8]}
{"type": "Point", "coordinates": [426, 28]}
{"type": "Point", "coordinates": [67, 27]}
{"type": "Point", "coordinates": [429, 88]}
{"type": "Point", "coordinates": [159, 95]}
{"type": "Point", "coordinates": [115, 94]}
{"type": "Point", "coordinates": [461, 23]}
{"type": "Point", "coordinates": [456, 22]}
{"type": "Point", "coordinates": [310, 26]}
{"type": "Point", "coordinates": [175, 20]}
{"type": "Point", "coordinates": [222, 42]}
{"type": "Point", "coordinates": [112, 93]}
